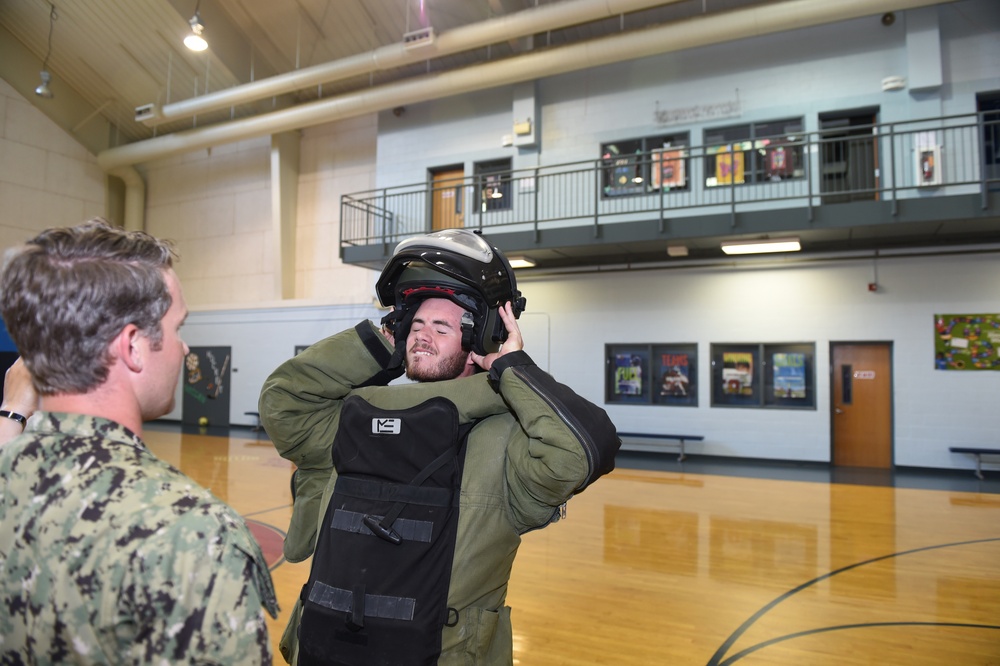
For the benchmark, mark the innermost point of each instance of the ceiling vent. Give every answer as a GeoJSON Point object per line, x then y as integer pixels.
{"type": "Point", "coordinates": [418, 38]}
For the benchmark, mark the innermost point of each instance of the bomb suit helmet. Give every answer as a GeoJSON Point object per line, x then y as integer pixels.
{"type": "Point", "coordinates": [457, 264]}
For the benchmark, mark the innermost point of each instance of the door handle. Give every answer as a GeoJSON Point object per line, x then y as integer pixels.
{"type": "Point", "coordinates": [838, 410]}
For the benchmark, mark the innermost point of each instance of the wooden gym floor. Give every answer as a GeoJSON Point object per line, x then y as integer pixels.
{"type": "Point", "coordinates": [709, 562]}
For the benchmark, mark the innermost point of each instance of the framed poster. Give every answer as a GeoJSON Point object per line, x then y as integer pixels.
{"type": "Point", "coordinates": [668, 169]}
{"type": "Point", "coordinates": [780, 375]}
{"type": "Point", "coordinates": [736, 380]}
{"type": "Point", "coordinates": [728, 168]}
{"type": "Point", "coordinates": [928, 166]}
{"type": "Point", "coordinates": [788, 376]}
{"type": "Point", "coordinates": [623, 175]}
{"type": "Point", "coordinates": [675, 372]}
{"type": "Point", "coordinates": [967, 342]}
{"type": "Point", "coordinates": [627, 374]}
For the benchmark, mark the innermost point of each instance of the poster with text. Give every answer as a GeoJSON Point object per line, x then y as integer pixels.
{"type": "Point", "coordinates": [675, 379]}
{"type": "Point", "coordinates": [737, 373]}
{"type": "Point", "coordinates": [967, 341]}
{"type": "Point", "coordinates": [628, 374]}
{"type": "Point", "coordinates": [789, 375]}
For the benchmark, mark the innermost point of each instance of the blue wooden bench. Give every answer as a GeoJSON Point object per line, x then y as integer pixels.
{"type": "Point", "coordinates": [978, 452]}
{"type": "Point", "coordinates": [680, 439]}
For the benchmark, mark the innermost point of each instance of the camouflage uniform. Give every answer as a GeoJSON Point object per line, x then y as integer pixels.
{"type": "Point", "coordinates": [109, 555]}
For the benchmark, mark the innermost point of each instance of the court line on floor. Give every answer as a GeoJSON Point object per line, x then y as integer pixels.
{"type": "Point", "coordinates": [865, 625]}
{"type": "Point", "coordinates": [717, 658]}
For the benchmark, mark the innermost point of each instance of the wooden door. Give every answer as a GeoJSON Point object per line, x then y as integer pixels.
{"type": "Point", "coordinates": [862, 404]}
{"type": "Point", "coordinates": [447, 210]}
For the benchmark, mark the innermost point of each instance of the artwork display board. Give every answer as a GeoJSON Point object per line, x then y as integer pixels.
{"type": "Point", "coordinates": [967, 342]}
{"type": "Point", "coordinates": [778, 375]}
{"type": "Point", "coordinates": [206, 386]}
{"type": "Point", "coordinates": [658, 374]}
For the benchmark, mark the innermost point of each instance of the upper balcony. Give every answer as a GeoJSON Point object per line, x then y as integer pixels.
{"type": "Point", "coordinates": [888, 186]}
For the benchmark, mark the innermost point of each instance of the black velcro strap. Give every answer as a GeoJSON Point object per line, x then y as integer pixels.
{"type": "Point", "coordinates": [356, 621]}
{"type": "Point", "coordinates": [384, 357]}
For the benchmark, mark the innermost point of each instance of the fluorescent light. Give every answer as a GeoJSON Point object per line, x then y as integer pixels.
{"type": "Point", "coordinates": [677, 250]}
{"type": "Point", "coordinates": [521, 262]}
{"type": "Point", "coordinates": [762, 246]}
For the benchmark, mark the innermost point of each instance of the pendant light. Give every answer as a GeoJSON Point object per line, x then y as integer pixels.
{"type": "Point", "coordinates": [195, 41]}
{"type": "Point", "coordinates": [43, 90]}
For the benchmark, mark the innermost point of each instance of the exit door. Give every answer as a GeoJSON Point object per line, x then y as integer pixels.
{"type": "Point", "coordinates": [862, 404]}
{"type": "Point", "coordinates": [447, 210]}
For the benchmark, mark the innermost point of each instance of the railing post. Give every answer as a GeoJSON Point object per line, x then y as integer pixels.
{"type": "Point", "coordinates": [981, 143]}
{"type": "Point", "coordinates": [535, 187]}
{"type": "Point", "coordinates": [892, 173]}
{"type": "Point", "coordinates": [652, 166]}
{"type": "Point", "coordinates": [807, 164]}
{"type": "Point", "coordinates": [597, 200]}
{"type": "Point", "coordinates": [385, 223]}
{"type": "Point", "coordinates": [732, 186]}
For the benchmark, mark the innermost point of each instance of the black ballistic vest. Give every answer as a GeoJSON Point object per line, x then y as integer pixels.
{"type": "Point", "coordinates": [378, 587]}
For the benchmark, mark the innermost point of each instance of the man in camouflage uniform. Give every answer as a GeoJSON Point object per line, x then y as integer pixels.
{"type": "Point", "coordinates": [109, 555]}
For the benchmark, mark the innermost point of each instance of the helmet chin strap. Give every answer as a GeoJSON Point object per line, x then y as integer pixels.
{"type": "Point", "coordinates": [399, 322]}
{"type": "Point", "coordinates": [468, 328]}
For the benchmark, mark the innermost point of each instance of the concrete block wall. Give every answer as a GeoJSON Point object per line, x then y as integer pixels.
{"type": "Point", "coordinates": [46, 178]}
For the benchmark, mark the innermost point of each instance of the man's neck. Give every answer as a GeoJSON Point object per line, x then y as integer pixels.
{"type": "Point", "coordinates": [100, 402]}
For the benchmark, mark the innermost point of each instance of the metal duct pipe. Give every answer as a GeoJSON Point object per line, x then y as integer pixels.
{"type": "Point", "coordinates": [739, 24]}
{"type": "Point", "coordinates": [519, 24]}
{"type": "Point", "coordinates": [135, 197]}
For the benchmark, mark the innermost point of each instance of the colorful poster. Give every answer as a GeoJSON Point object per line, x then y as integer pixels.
{"type": "Point", "coordinates": [737, 373]}
{"type": "Point", "coordinates": [628, 374]}
{"type": "Point", "coordinates": [668, 169]}
{"type": "Point", "coordinates": [675, 375]}
{"type": "Point", "coordinates": [967, 342]}
{"type": "Point", "coordinates": [728, 168]}
{"type": "Point", "coordinates": [623, 174]}
{"type": "Point", "coordinates": [789, 375]}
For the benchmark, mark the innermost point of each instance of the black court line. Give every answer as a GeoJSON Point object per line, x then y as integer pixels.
{"type": "Point", "coordinates": [274, 508]}
{"type": "Point", "coordinates": [844, 627]}
{"type": "Point", "coordinates": [717, 658]}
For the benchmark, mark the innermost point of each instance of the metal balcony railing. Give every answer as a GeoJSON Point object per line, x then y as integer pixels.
{"type": "Point", "coordinates": [885, 162]}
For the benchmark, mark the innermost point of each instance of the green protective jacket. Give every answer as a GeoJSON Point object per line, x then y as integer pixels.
{"type": "Point", "coordinates": [535, 444]}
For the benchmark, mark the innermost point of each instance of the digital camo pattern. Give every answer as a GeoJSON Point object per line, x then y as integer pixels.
{"type": "Point", "coordinates": [109, 555]}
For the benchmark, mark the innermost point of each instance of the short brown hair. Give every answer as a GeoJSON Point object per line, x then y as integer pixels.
{"type": "Point", "coordinates": [68, 292]}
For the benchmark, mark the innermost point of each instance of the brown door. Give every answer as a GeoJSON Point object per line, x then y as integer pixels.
{"type": "Point", "coordinates": [862, 405]}
{"type": "Point", "coordinates": [448, 204]}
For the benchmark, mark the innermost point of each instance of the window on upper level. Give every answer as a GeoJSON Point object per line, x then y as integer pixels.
{"type": "Point", "coordinates": [648, 164]}
{"type": "Point", "coordinates": [493, 184]}
{"type": "Point", "coordinates": [754, 153]}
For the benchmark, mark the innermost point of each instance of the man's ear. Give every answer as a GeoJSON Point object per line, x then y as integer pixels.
{"type": "Point", "coordinates": [127, 346]}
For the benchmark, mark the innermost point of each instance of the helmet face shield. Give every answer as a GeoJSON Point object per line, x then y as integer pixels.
{"type": "Point", "coordinates": [461, 266]}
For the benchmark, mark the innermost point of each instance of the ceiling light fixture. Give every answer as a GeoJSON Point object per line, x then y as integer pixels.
{"type": "Point", "coordinates": [521, 262]}
{"type": "Point", "coordinates": [195, 41]}
{"type": "Point", "coordinates": [43, 90]}
{"type": "Point", "coordinates": [762, 246]}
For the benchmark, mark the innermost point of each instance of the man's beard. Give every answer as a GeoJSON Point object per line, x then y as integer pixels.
{"type": "Point", "coordinates": [442, 368]}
